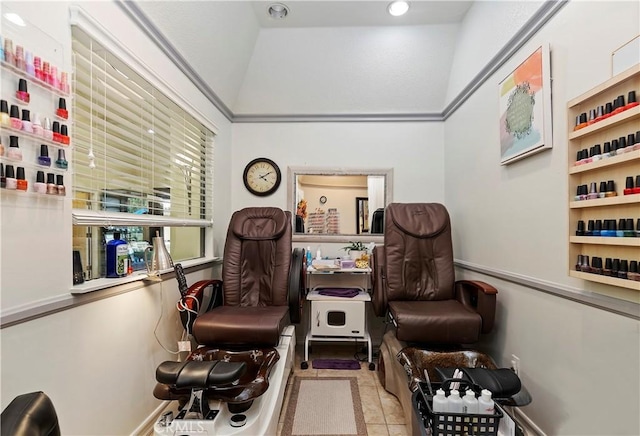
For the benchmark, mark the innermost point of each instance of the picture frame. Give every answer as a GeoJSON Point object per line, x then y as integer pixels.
{"type": "Point", "coordinates": [525, 107]}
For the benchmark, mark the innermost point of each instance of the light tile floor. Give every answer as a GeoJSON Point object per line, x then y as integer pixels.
{"type": "Point", "coordinates": [382, 411]}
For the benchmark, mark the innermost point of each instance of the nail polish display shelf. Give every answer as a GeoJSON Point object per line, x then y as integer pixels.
{"type": "Point", "coordinates": [33, 137]}
{"type": "Point", "coordinates": [32, 79]}
{"type": "Point", "coordinates": [614, 160]}
{"type": "Point", "coordinates": [599, 240]}
{"type": "Point", "coordinates": [615, 168]}
{"type": "Point", "coordinates": [611, 201]}
{"type": "Point", "coordinates": [624, 283]}
{"type": "Point", "coordinates": [30, 193]}
{"type": "Point", "coordinates": [622, 117]}
{"type": "Point", "coordinates": [28, 165]}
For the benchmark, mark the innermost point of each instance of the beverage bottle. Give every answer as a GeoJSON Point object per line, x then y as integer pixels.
{"type": "Point", "coordinates": [486, 405]}
{"type": "Point", "coordinates": [455, 402]}
{"type": "Point", "coordinates": [440, 402]}
{"type": "Point", "coordinates": [309, 257]}
{"type": "Point", "coordinates": [470, 402]}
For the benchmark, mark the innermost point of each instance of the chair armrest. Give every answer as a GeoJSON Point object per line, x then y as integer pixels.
{"type": "Point", "coordinates": [192, 303]}
{"type": "Point", "coordinates": [379, 280]}
{"type": "Point", "coordinates": [297, 274]}
{"type": "Point", "coordinates": [481, 297]}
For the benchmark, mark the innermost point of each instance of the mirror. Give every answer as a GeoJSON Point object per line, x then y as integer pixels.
{"type": "Point", "coordinates": [329, 204]}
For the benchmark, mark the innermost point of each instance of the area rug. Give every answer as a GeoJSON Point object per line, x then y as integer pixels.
{"type": "Point", "coordinates": [324, 406]}
{"type": "Point", "coordinates": [335, 364]}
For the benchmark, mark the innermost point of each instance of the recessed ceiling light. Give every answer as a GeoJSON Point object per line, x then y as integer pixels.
{"type": "Point", "coordinates": [278, 11]}
{"type": "Point", "coordinates": [398, 8]}
{"type": "Point", "coordinates": [15, 19]}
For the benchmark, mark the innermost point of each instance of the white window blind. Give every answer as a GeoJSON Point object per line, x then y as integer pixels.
{"type": "Point", "coordinates": [139, 158]}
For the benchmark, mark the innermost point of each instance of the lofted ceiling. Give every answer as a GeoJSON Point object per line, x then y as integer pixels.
{"type": "Point", "coordinates": [325, 58]}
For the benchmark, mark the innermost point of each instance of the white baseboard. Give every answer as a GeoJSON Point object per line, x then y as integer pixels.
{"type": "Point", "coordinates": [146, 427]}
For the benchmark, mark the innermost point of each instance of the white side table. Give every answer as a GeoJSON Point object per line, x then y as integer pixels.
{"type": "Point", "coordinates": [337, 319]}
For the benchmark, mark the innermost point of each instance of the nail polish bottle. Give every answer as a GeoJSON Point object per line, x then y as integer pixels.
{"type": "Point", "coordinates": [62, 111]}
{"type": "Point", "coordinates": [9, 56]}
{"type": "Point", "coordinates": [631, 141]}
{"type": "Point", "coordinates": [599, 113]}
{"type": "Point", "coordinates": [614, 147]}
{"type": "Point", "coordinates": [579, 262]}
{"type": "Point", "coordinates": [585, 264]}
{"type": "Point", "coordinates": [608, 266]}
{"type": "Point", "coordinates": [47, 132]}
{"type": "Point", "coordinates": [22, 94]}
{"type": "Point", "coordinates": [61, 162]}
{"type": "Point", "coordinates": [5, 121]}
{"type": "Point", "coordinates": [56, 132]}
{"type": "Point", "coordinates": [622, 225]}
{"type": "Point", "coordinates": [615, 266]}
{"type": "Point", "coordinates": [618, 105]}
{"type": "Point", "coordinates": [45, 71]}
{"type": "Point", "coordinates": [26, 121]}
{"type": "Point", "coordinates": [10, 179]}
{"type": "Point", "coordinates": [53, 77]}
{"type": "Point", "coordinates": [64, 83]}
{"type": "Point", "coordinates": [592, 117]}
{"type": "Point", "coordinates": [596, 265]}
{"type": "Point", "coordinates": [44, 158]}
{"type": "Point", "coordinates": [610, 228]}
{"type": "Point", "coordinates": [19, 60]}
{"type": "Point", "coordinates": [581, 121]}
{"type": "Point", "coordinates": [597, 153]}
{"type": "Point", "coordinates": [64, 135]}
{"type": "Point", "coordinates": [37, 65]}
{"type": "Point", "coordinates": [40, 186]}
{"type": "Point", "coordinates": [29, 68]}
{"type": "Point", "coordinates": [593, 192]}
{"type": "Point", "coordinates": [606, 147]}
{"type": "Point", "coordinates": [37, 125]}
{"type": "Point", "coordinates": [624, 269]}
{"type": "Point", "coordinates": [14, 152]}
{"type": "Point", "coordinates": [608, 108]}
{"type": "Point", "coordinates": [60, 185]}
{"type": "Point", "coordinates": [579, 193]}
{"type": "Point", "coordinates": [598, 228]}
{"type": "Point", "coordinates": [3, 178]}
{"type": "Point", "coordinates": [636, 145]}
{"type": "Point", "coordinates": [21, 182]}
{"type": "Point", "coordinates": [580, 229]}
{"type": "Point", "coordinates": [603, 190]}
{"type": "Point", "coordinates": [622, 145]}
{"type": "Point", "coordinates": [51, 184]}
{"type": "Point", "coordinates": [628, 225]}
{"type": "Point", "coordinates": [591, 225]}
{"type": "Point", "coordinates": [633, 271]}
{"type": "Point", "coordinates": [631, 100]}
{"type": "Point", "coordinates": [628, 186]}
{"type": "Point", "coordinates": [611, 189]}
{"type": "Point", "coordinates": [16, 122]}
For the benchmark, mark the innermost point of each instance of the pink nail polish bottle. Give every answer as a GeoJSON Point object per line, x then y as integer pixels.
{"type": "Point", "coordinates": [37, 125]}
{"type": "Point", "coordinates": [26, 121]}
{"type": "Point", "coordinates": [16, 122]}
{"type": "Point", "coordinates": [14, 152]}
{"type": "Point", "coordinates": [47, 132]}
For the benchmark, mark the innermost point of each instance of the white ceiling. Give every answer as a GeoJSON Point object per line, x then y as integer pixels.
{"type": "Point", "coordinates": [325, 58]}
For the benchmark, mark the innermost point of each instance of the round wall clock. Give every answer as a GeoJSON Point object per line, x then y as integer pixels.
{"type": "Point", "coordinates": [323, 199]}
{"type": "Point", "coordinates": [262, 176]}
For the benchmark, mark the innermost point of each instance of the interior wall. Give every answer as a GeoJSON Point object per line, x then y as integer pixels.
{"type": "Point", "coordinates": [96, 361]}
{"type": "Point", "coordinates": [415, 151]}
{"type": "Point", "coordinates": [515, 219]}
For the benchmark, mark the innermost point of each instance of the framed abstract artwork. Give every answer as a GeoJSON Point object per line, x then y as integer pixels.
{"type": "Point", "coordinates": [525, 108]}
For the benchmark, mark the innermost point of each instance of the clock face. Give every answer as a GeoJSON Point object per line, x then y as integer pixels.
{"type": "Point", "coordinates": [262, 176]}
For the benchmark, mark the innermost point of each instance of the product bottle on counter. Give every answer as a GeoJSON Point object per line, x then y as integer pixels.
{"type": "Point", "coordinates": [470, 402]}
{"type": "Point", "coordinates": [440, 402]}
{"type": "Point", "coordinates": [455, 402]}
{"type": "Point", "coordinates": [309, 257]}
{"type": "Point", "coordinates": [318, 254]}
{"type": "Point", "coordinates": [485, 403]}
{"type": "Point", "coordinates": [117, 257]}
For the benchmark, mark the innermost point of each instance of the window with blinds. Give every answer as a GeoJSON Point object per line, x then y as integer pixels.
{"type": "Point", "coordinates": [142, 165]}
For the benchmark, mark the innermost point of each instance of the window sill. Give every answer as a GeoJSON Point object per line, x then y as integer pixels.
{"type": "Point", "coordinates": [98, 284]}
